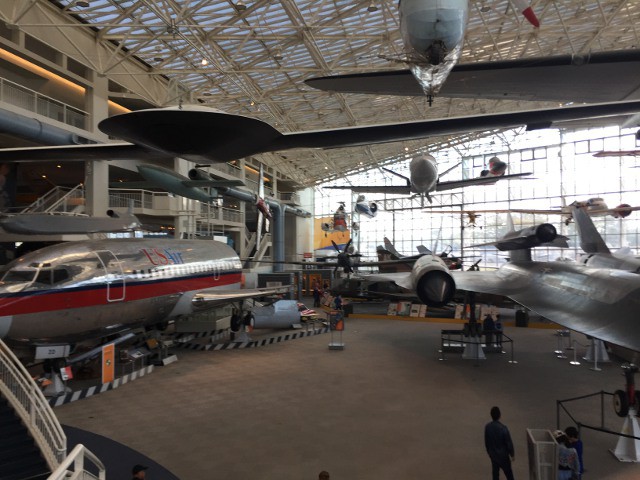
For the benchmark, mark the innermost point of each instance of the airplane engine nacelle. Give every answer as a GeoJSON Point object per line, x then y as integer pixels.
{"type": "Point", "coordinates": [528, 237]}
{"type": "Point", "coordinates": [197, 174]}
{"type": "Point", "coordinates": [432, 281]}
{"type": "Point", "coordinates": [621, 211]}
{"type": "Point", "coordinates": [281, 314]}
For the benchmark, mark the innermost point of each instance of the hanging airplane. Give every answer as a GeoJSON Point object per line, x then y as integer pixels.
{"type": "Point", "coordinates": [171, 181]}
{"type": "Point", "coordinates": [595, 206]}
{"type": "Point", "coordinates": [433, 33]}
{"type": "Point", "coordinates": [264, 212]}
{"type": "Point", "coordinates": [339, 221]}
{"type": "Point", "coordinates": [597, 296]}
{"type": "Point", "coordinates": [54, 297]}
{"type": "Point", "coordinates": [368, 209]}
{"type": "Point", "coordinates": [185, 131]}
{"type": "Point", "coordinates": [424, 178]}
{"type": "Point", "coordinates": [618, 153]}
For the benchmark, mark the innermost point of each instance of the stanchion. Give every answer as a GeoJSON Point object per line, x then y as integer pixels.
{"type": "Point", "coordinates": [575, 360]}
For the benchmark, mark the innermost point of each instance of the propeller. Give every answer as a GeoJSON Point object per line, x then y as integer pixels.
{"type": "Point", "coordinates": [344, 258]}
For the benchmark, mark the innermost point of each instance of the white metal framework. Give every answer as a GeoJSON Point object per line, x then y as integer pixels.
{"type": "Point", "coordinates": [254, 60]}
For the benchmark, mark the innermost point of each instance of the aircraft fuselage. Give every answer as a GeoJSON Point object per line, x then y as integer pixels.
{"type": "Point", "coordinates": [433, 33]}
{"type": "Point", "coordinates": [423, 173]}
{"type": "Point", "coordinates": [78, 290]}
{"type": "Point", "coordinates": [597, 301]}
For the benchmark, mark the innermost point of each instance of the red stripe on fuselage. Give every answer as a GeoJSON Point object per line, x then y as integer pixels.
{"type": "Point", "coordinates": [62, 299]}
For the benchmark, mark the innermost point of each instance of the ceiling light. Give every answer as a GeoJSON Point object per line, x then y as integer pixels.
{"type": "Point", "coordinates": [485, 8]}
{"type": "Point", "coordinates": [204, 62]}
{"type": "Point", "coordinates": [83, 3]}
{"type": "Point", "coordinates": [241, 6]}
{"type": "Point", "coordinates": [277, 55]}
{"type": "Point", "coordinates": [372, 7]}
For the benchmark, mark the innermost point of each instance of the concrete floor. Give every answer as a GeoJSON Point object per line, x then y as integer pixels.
{"type": "Point", "coordinates": [384, 407]}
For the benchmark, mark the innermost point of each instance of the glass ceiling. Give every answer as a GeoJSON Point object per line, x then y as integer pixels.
{"type": "Point", "coordinates": [254, 60]}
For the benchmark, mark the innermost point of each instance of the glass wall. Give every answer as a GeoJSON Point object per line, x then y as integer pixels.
{"type": "Point", "coordinates": [563, 167]}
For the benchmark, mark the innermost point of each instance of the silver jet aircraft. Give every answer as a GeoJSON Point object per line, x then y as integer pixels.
{"type": "Point", "coordinates": [74, 291]}
{"type": "Point", "coordinates": [599, 295]}
{"type": "Point", "coordinates": [424, 179]}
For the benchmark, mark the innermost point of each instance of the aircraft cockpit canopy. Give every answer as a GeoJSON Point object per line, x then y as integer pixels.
{"type": "Point", "coordinates": [37, 276]}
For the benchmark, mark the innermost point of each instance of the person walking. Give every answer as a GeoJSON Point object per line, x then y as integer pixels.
{"type": "Point", "coordinates": [316, 294]}
{"type": "Point", "coordinates": [497, 441]}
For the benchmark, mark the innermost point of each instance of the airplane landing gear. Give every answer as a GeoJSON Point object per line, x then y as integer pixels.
{"type": "Point", "coordinates": [627, 404]}
{"type": "Point", "coordinates": [624, 400]}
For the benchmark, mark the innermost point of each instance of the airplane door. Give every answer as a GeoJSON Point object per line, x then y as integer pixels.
{"type": "Point", "coordinates": [113, 274]}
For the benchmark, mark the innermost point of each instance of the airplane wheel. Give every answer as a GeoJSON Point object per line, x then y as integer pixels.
{"type": "Point", "coordinates": [621, 403]}
{"type": "Point", "coordinates": [236, 323]}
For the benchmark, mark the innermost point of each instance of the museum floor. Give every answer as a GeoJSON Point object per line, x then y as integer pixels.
{"type": "Point", "coordinates": [384, 407]}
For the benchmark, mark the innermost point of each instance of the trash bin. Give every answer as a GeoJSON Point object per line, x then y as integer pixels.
{"type": "Point", "coordinates": [522, 318]}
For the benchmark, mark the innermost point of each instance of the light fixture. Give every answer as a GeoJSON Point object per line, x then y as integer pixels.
{"type": "Point", "coordinates": [240, 6]}
{"type": "Point", "coordinates": [83, 3]}
{"type": "Point", "coordinates": [204, 62]}
{"type": "Point", "coordinates": [277, 55]}
{"type": "Point", "coordinates": [372, 7]}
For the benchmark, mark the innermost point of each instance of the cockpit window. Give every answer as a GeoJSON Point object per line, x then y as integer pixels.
{"type": "Point", "coordinates": [19, 276]}
{"type": "Point", "coordinates": [52, 276]}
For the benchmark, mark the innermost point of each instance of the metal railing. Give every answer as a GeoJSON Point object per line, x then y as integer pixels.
{"type": "Point", "coordinates": [23, 97]}
{"type": "Point", "coordinates": [58, 200]}
{"type": "Point", "coordinates": [24, 396]}
{"type": "Point", "coordinates": [77, 457]}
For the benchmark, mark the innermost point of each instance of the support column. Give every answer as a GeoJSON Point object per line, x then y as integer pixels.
{"type": "Point", "coordinates": [97, 172]}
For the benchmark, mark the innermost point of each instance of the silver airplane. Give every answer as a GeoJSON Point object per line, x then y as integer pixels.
{"type": "Point", "coordinates": [598, 295]}
{"type": "Point", "coordinates": [74, 291]}
{"type": "Point", "coordinates": [433, 33]}
{"type": "Point", "coordinates": [424, 178]}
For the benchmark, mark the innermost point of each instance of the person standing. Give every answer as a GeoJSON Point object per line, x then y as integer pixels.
{"type": "Point", "coordinates": [575, 442]}
{"type": "Point", "coordinates": [497, 441]}
{"type": "Point", "coordinates": [568, 463]}
{"type": "Point", "coordinates": [316, 294]}
{"type": "Point", "coordinates": [338, 302]}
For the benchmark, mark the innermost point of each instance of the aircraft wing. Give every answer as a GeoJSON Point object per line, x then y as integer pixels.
{"type": "Point", "coordinates": [489, 282]}
{"type": "Point", "coordinates": [592, 78]}
{"type": "Point", "coordinates": [213, 183]}
{"type": "Point", "coordinates": [391, 189]}
{"type": "Point", "coordinates": [214, 297]}
{"type": "Point", "coordinates": [186, 132]}
{"type": "Point", "coordinates": [489, 180]}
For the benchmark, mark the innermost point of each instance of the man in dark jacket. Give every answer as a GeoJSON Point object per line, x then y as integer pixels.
{"type": "Point", "coordinates": [497, 441]}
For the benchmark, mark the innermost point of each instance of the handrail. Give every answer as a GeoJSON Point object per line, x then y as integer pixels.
{"type": "Point", "coordinates": [40, 204]}
{"type": "Point", "coordinates": [22, 392]}
{"type": "Point", "coordinates": [77, 457]}
{"type": "Point", "coordinates": [73, 193]}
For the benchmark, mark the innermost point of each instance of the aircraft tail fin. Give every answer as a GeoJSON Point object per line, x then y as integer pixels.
{"type": "Point", "coordinates": [423, 250]}
{"type": "Point", "coordinates": [590, 240]}
{"type": "Point", "coordinates": [391, 249]}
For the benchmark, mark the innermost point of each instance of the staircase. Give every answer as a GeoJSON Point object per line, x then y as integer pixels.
{"type": "Point", "coordinates": [20, 458]}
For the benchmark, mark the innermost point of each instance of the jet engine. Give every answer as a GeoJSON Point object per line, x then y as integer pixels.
{"type": "Point", "coordinates": [621, 211]}
{"type": "Point", "coordinates": [198, 174]}
{"type": "Point", "coordinates": [528, 237]}
{"type": "Point", "coordinates": [432, 281]}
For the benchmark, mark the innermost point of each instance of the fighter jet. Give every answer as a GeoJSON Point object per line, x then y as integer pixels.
{"type": "Point", "coordinates": [598, 295]}
{"type": "Point", "coordinates": [424, 178]}
{"type": "Point", "coordinates": [75, 291]}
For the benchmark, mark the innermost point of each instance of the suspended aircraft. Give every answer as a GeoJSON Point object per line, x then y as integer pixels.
{"type": "Point", "coordinates": [368, 209]}
{"type": "Point", "coordinates": [264, 212]}
{"type": "Point", "coordinates": [186, 132]}
{"type": "Point", "coordinates": [424, 178]}
{"type": "Point", "coordinates": [54, 297]}
{"type": "Point", "coordinates": [171, 181]}
{"type": "Point", "coordinates": [594, 206]}
{"type": "Point", "coordinates": [433, 33]}
{"type": "Point", "coordinates": [339, 221]}
{"type": "Point", "coordinates": [617, 153]}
